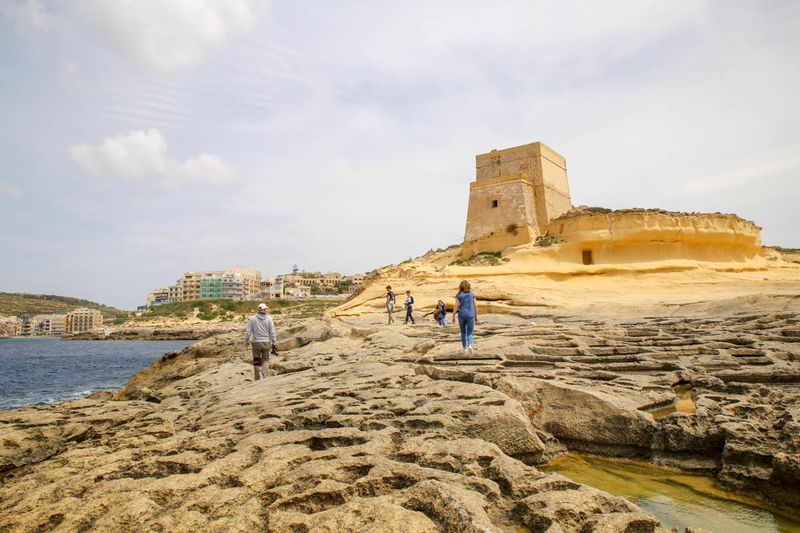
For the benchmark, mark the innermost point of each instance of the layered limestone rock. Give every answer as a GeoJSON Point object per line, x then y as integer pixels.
{"type": "Point", "coordinates": [354, 443]}
{"type": "Point", "coordinates": [366, 427]}
{"type": "Point", "coordinates": [634, 258]}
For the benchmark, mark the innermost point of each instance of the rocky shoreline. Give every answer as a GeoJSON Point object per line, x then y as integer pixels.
{"type": "Point", "coordinates": [170, 332]}
{"type": "Point", "coordinates": [364, 426]}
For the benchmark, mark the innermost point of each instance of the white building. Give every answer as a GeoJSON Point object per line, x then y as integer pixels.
{"type": "Point", "coordinates": [272, 287]}
{"type": "Point", "coordinates": [298, 292]}
{"type": "Point", "coordinates": [232, 286]}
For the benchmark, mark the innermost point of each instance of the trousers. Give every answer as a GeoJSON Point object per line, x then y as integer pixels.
{"type": "Point", "coordinates": [467, 325]}
{"type": "Point", "coordinates": [261, 353]}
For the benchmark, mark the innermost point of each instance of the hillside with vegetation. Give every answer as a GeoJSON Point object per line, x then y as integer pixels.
{"type": "Point", "coordinates": [27, 305]}
{"type": "Point", "coordinates": [225, 309]}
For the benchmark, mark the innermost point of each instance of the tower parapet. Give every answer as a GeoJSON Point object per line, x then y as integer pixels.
{"type": "Point", "coordinates": [516, 192]}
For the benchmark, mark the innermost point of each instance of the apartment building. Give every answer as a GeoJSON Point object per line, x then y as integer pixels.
{"type": "Point", "coordinates": [11, 326]}
{"type": "Point", "coordinates": [158, 297]}
{"type": "Point", "coordinates": [238, 283]}
{"type": "Point", "coordinates": [211, 287]}
{"type": "Point", "coordinates": [330, 280]}
{"type": "Point", "coordinates": [191, 283]}
{"type": "Point", "coordinates": [251, 281]}
{"type": "Point", "coordinates": [355, 279]}
{"type": "Point", "coordinates": [58, 324]}
{"type": "Point", "coordinates": [298, 292]}
{"type": "Point", "coordinates": [233, 286]}
{"type": "Point", "coordinates": [83, 319]}
{"type": "Point", "coordinates": [313, 279]}
{"type": "Point", "coordinates": [175, 292]}
{"type": "Point", "coordinates": [272, 287]}
{"type": "Point", "coordinates": [40, 325]}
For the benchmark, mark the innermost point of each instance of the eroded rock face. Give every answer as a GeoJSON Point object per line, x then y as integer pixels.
{"type": "Point", "coordinates": [366, 427]}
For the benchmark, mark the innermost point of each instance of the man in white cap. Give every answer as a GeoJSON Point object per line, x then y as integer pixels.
{"type": "Point", "coordinates": [262, 328]}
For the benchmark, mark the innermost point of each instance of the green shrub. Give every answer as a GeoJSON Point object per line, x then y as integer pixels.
{"type": "Point", "coordinates": [545, 240]}
{"type": "Point", "coordinates": [479, 259]}
{"type": "Point", "coordinates": [118, 321]}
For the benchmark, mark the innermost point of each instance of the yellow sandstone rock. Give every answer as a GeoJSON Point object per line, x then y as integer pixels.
{"type": "Point", "coordinates": [527, 252]}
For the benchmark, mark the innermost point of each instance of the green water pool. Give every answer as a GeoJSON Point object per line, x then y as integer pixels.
{"type": "Point", "coordinates": [678, 499]}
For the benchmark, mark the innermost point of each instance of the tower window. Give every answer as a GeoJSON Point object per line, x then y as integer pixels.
{"type": "Point", "coordinates": [494, 203]}
{"type": "Point", "coordinates": [587, 257]}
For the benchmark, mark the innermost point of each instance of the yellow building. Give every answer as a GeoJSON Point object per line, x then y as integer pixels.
{"type": "Point", "coordinates": [157, 297]}
{"type": "Point", "coordinates": [58, 324]}
{"type": "Point", "coordinates": [516, 193]}
{"type": "Point", "coordinates": [192, 282]}
{"type": "Point", "coordinates": [175, 292]}
{"type": "Point", "coordinates": [83, 319]}
{"type": "Point", "coordinates": [11, 326]}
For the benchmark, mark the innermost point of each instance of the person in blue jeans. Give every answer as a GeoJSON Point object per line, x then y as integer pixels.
{"type": "Point", "coordinates": [442, 312]}
{"type": "Point", "coordinates": [438, 313]}
{"type": "Point", "coordinates": [409, 308]}
{"type": "Point", "coordinates": [467, 314]}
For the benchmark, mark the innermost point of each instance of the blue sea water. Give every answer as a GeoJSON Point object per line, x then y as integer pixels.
{"type": "Point", "coordinates": [44, 371]}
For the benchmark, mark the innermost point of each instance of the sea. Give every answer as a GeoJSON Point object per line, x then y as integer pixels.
{"type": "Point", "coordinates": [47, 370]}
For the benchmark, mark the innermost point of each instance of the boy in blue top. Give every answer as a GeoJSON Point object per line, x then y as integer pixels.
{"type": "Point", "coordinates": [467, 314]}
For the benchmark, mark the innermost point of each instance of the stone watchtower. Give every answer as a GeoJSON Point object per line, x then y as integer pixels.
{"type": "Point", "coordinates": [516, 192]}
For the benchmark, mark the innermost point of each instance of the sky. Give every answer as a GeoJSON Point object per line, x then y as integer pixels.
{"type": "Point", "coordinates": [140, 140]}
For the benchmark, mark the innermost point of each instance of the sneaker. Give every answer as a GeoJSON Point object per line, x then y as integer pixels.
{"type": "Point", "coordinates": [471, 350]}
{"type": "Point", "coordinates": [464, 351]}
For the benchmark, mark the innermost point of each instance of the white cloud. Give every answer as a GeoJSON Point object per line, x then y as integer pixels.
{"type": "Point", "coordinates": [204, 169]}
{"type": "Point", "coordinates": [134, 155]}
{"type": "Point", "coordinates": [167, 34]}
{"type": "Point", "coordinates": [9, 191]}
{"type": "Point", "coordinates": [70, 72]}
{"type": "Point", "coordinates": [28, 14]}
{"type": "Point", "coordinates": [144, 152]}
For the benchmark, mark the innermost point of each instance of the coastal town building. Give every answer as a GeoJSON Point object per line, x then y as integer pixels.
{"type": "Point", "coordinates": [58, 324]}
{"type": "Point", "coordinates": [175, 292]}
{"type": "Point", "coordinates": [516, 193]}
{"type": "Point", "coordinates": [232, 286]}
{"type": "Point", "coordinates": [355, 279]}
{"type": "Point", "coordinates": [245, 283]}
{"type": "Point", "coordinates": [40, 325]}
{"type": "Point", "coordinates": [191, 282]}
{"type": "Point", "coordinates": [158, 297]}
{"type": "Point", "coordinates": [83, 319]}
{"type": "Point", "coordinates": [300, 292]}
{"type": "Point", "coordinates": [237, 283]}
{"type": "Point", "coordinates": [251, 281]}
{"type": "Point", "coordinates": [211, 287]}
{"type": "Point", "coordinates": [272, 287]}
{"type": "Point", "coordinates": [11, 326]}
